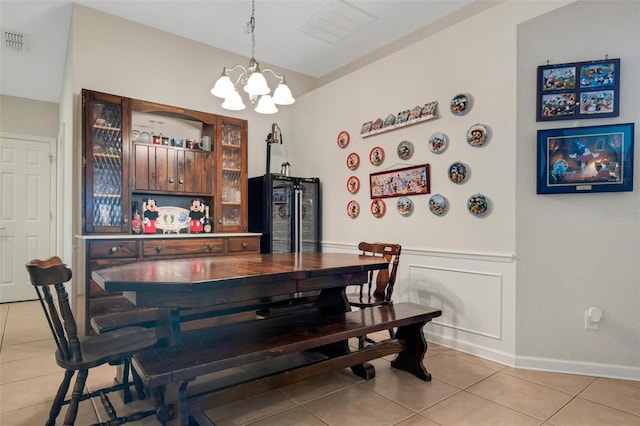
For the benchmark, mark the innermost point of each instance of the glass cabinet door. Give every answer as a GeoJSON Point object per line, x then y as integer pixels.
{"type": "Point", "coordinates": [232, 179]}
{"type": "Point", "coordinates": [106, 203]}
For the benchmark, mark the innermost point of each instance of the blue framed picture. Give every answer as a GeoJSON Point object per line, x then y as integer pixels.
{"type": "Point", "coordinates": [585, 159]}
{"type": "Point", "coordinates": [578, 90]}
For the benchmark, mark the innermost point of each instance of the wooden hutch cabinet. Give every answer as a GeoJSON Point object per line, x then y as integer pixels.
{"type": "Point", "coordinates": [133, 150]}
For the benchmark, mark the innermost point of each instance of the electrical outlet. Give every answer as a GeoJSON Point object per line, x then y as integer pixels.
{"type": "Point", "coordinates": [588, 324]}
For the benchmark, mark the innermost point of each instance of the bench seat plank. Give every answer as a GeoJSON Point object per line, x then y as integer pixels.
{"type": "Point", "coordinates": [168, 370]}
{"type": "Point", "coordinates": [209, 350]}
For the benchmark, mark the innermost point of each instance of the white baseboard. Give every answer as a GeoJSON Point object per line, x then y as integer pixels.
{"type": "Point", "coordinates": [542, 364]}
{"type": "Point", "coordinates": [472, 349]}
{"type": "Point", "coordinates": [612, 371]}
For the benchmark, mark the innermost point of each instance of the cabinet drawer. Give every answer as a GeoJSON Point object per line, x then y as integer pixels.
{"type": "Point", "coordinates": [244, 245]}
{"type": "Point", "coordinates": [113, 249]}
{"type": "Point", "coordinates": [195, 246]}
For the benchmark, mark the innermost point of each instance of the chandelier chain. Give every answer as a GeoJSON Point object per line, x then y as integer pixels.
{"type": "Point", "coordinates": [251, 28]}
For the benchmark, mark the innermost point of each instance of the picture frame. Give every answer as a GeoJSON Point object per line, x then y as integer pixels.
{"type": "Point", "coordinates": [585, 159]}
{"type": "Point", "coordinates": [400, 182]}
{"type": "Point", "coordinates": [578, 90]}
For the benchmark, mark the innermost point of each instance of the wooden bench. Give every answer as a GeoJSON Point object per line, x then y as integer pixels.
{"type": "Point", "coordinates": [316, 339]}
{"type": "Point", "coordinates": [147, 317]}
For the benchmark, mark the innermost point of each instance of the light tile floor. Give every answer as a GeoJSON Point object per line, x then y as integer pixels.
{"type": "Point", "coordinates": [465, 390]}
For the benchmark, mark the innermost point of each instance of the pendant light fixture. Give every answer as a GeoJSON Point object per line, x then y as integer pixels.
{"type": "Point", "coordinates": [254, 82]}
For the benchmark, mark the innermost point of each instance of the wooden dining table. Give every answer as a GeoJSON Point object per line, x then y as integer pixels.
{"type": "Point", "coordinates": [235, 282]}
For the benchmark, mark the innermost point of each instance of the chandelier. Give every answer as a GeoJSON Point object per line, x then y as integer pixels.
{"type": "Point", "coordinates": [253, 81]}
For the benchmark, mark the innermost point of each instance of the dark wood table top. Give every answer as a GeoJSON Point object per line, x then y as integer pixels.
{"type": "Point", "coordinates": [200, 274]}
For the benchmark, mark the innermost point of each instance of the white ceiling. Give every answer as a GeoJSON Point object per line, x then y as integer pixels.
{"type": "Point", "coordinates": [282, 30]}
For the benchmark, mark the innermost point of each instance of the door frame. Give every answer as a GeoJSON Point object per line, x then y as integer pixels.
{"type": "Point", "coordinates": [53, 179]}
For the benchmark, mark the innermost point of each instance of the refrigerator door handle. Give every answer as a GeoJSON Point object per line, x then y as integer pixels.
{"type": "Point", "coordinates": [298, 221]}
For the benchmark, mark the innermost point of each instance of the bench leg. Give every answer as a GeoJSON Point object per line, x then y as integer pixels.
{"type": "Point", "coordinates": [410, 359]}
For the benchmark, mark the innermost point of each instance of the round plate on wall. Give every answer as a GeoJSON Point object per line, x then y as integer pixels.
{"type": "Point", "coordinates": [376, 156]}
{"type": "Point", "coordinates": [437, 143]}
{"type": "Point", "coordinates": [405, 150]}
{"type": "Point", "coordinates": [353, 161]}
{"type": "Point", "coordinates": [478, 205]}
{"type": "Point", "coordinates": [460, 104]}
{"type": "Point", "coordinates": [457, 172]}
{"type": "Point", "coordinates": [438, 205]}
{"type": "Point", "coordinates": [343, 139]}
{"type": "Point", "coordinates": [405, 206]}
{"type": "Point", "coordinates": [353, 209]}
{"type": "Point", "coordinates": [353, 184]}
{"type": "Point", "coordinates": [378, 208]}
{"type": "Point", "coordinates": [477, 135]}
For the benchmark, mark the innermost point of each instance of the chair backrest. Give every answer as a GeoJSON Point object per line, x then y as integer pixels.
{"type": "Point", "coordinates": [46, 274]}
{"type": "Point", "coordinates": [385, 279]}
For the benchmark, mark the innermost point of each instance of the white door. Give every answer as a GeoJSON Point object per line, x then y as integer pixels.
{"type": "Point", "coordinates": [26, 186]}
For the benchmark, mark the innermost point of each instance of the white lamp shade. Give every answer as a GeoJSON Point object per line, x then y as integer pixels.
{"type": "Point", "coordinates": [266, 105]}
{"type": "Point", "coordinates": [223, 87]}
{"type": "Point", "coordinates": [282, 95]}
{"type": "Point", "coordinates": [233, 102]}
{"type": "Point", "coordinates": [257, 84]}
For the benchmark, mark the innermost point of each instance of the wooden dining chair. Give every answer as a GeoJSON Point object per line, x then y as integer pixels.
{"type": "Point", "coordinates": [78, 354]}
{"type": "Point", "coordinates": [380, 283]}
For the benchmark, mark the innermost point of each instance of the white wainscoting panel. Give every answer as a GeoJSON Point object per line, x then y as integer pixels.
{"type": "Point", "coordinates": [471, 301]}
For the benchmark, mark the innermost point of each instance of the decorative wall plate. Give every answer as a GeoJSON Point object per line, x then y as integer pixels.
{"type": "Point", "coordinates": [353, 184]}
{"type": "Point", "coordinates": [405, 150]}
{"type": "Point", "coordinates": [376, 156]}
{"type": "Point", "coordinates": [457, 172]}
{"type": "Point", "coordinates": [366, 127]}
{"type": "Point", "coordinates": [438, 204]}
{"type": "Point", "coordinates": [478, 205]}
{"type": "Point", "coordinates": [377, 125]}
{"type": "Point", "coordinates": [437, 143]}
{"type": "Point", "coordinates": [405, 206]}
{"type": "Point", "coordinates": [415, 113]}
{"type": "Point", "coordinates": [389, 121]}
{"type": "Point", "coordinates": [353, 209]}
{"type": "Point", "coordinates": [378, 208]}
{"type": "Point", "coordinates": [343, 139]}
{"type": "Point", "coordinates": [477, 135]}
{"type": "Point", "coordinates": [460, 104]}
{"type": "Point", "coordinates": [403, 116]}
{"type": "Point", "coordinates": [353, 161]}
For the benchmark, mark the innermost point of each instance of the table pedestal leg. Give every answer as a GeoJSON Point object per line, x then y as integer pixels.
{"type": "Point", "coordinates": [168, 327]}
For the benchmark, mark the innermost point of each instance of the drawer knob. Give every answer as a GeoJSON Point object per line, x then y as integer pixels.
{"type": "Point", "coordinates": [114, 249]}
{"type": "Point", "coordinates": [244, 246]}
{"type": "Point", "coordinates": [159, 249]}
{"type": "Point", "coordinates": [209, 247]}
{"type": "Point", "coordinates": [170, 179]}
{"type": "Point", "coordinates": [181, 181]}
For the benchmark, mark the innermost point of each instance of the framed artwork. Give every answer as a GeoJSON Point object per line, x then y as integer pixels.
{"type": "Point", "coordinates": [400, 182]}
{"type": "Point", "coordinates": [578, 90]}
{"type": "Point", "coordinates": [585, 159]}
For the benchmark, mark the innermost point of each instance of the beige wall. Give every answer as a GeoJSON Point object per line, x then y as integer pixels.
{"type": "Point", "coordinates": [28, 117]}
{"type": "Point", "coordinates": [478, 257]}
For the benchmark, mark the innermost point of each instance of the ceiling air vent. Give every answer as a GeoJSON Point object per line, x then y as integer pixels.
{"type": "Point", "coordinates": [13, 40]}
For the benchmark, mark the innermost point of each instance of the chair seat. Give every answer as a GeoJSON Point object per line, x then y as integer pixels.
{"type": "Point", "coordinates": [366, 301]}
{"type": "Point", "coordinates": [109, 347]}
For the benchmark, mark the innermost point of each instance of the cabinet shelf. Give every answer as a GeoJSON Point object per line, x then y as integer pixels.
{"type": "Point", "coordinates": [103, 155]}
{"type": "Point", "coordinates": [113, 129]}
{"type": "Point", "coordinates": [231, 203]}
{"type": "Point", "coordinates": [231, 169]}
{"type": "Point", "coordinates": [98, 195]}
{"type": "Point", "coordinates": [231, 145]}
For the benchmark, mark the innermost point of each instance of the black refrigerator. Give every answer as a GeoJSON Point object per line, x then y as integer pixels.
{"type": "Point", "coordinates": [286, 210]}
